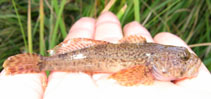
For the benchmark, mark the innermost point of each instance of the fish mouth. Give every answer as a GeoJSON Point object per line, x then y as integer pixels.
{"type": "Point", "coordinates": [195, 65]}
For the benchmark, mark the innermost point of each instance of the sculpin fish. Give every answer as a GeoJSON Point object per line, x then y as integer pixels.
{"type": "Point", "coordinates": [130, 62]}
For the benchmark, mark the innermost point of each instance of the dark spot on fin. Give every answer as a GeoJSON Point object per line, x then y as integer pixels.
{"type": "Point", "coordinates": [74, 44]}
{"type": "Point", "coordinates": [133, 76]}
{"type": "Point", "coordinates": [133, 39]}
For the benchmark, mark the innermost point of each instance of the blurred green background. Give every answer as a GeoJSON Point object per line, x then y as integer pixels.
{"type": "Point", "coordinates": [51, 20]}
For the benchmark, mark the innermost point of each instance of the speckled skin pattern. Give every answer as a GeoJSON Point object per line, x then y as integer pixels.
{"type": "Point", "coordinates": [165, 62]}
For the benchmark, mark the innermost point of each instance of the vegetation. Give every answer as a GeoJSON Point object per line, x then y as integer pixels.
{"type": "Point", "coordinates": [48, 21]}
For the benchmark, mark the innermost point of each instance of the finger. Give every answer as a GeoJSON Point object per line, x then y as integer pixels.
{"type": "Point", "coordinates": [108, 28]}
{"type": "Point", "coordinates": [83, 28]}
{"type": "Point", "coordinates": [134, 28]}
{"type": "Point", "coordinates": [170, 39]}
{"type": "Point", "coordinates": [203, 80]}
{"type": "Point", "coordinates": [22, 86]}
{"type": "Point", "coordinates": [66, 84]}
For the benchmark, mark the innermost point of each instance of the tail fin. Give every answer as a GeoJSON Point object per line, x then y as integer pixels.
{"type": "Point", "coordinates": [22, 63]}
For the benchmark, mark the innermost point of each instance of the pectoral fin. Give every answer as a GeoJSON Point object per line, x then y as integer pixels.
{"type": "Point", "coordinates": [133, 39]}
{"type": "Point", "coordinates": [74, 44]}
{"type": "Point", "coordinates": [133, 76]}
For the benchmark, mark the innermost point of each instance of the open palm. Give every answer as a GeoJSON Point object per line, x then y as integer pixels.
{"type": "Point", "coordinates": [64, 85]}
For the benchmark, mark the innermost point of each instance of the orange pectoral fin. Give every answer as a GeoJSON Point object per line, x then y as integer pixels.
{"type": "Point", "coordinates": [74, 44]}
{"type": "Point", "coordinates": [133, 76]}
{"type": "Point", "coordinates": [133, 39]}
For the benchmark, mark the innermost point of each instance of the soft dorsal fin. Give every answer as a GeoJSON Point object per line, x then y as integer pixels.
{"type": "Point", "coordinates": [74, 44]}
{"type": "Point", "coordinates": [133, 39]}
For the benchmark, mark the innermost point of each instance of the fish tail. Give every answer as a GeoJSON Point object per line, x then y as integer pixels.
{"type": "Point", "coordinates": [22, 63]}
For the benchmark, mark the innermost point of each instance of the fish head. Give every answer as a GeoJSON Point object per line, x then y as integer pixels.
{"type": "Point", "coordinates": [175, 65]}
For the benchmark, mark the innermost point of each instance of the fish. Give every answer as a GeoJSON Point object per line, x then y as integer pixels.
{"type": "Point", "coordinates": [130, 62]}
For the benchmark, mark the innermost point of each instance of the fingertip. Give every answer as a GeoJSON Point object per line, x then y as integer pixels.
{"type": "Point", "coordinates": [108, 28]}
{"type": "Point", "coordinates": [83, 28]}
{"type": "Point", "coordinates": [134, 28]}
{"type": "Point", "coordinates": [169, 39]}
{"type": "Point", "coordinates": [107, 17]}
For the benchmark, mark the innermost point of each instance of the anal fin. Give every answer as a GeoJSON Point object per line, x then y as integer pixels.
{"type": "Point", "coordinates": [134, 76]}
{"type": "Point", "coordinates": [74, 44]}
{"type": "Point", "coordinates": [133, 39]}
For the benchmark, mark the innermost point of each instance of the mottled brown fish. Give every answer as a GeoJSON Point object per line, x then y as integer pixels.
{"type": "Point", "coordinates": [132, 61]}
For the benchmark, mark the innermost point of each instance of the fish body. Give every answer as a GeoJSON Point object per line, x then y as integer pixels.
{"type": "Point", "coordinates": [164, 62]}
{"type": "Point", "coordinates": [109, 58]}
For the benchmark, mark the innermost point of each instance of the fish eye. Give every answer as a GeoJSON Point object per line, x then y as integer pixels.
{"type": "Point", "coordinates": [186, 55]}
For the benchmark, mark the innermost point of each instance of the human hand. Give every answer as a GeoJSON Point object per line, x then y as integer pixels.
{"type": "Point", "coordinates": [80, 85]}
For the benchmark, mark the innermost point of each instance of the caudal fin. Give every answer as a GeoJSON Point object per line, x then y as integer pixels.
{"type": "Point", "coordinates": [22, 63]}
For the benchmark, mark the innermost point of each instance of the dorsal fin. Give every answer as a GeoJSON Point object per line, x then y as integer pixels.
{"type": "Point", "coordinates": [74, 44]}
{"type": "Point", "coordinates": [133, 39]}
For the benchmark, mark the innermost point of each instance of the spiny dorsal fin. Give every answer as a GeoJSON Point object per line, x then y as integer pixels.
{"type": "Point", "coordinates": [74, 44]}
{"type": "Point", "coordinates": [133, 39]}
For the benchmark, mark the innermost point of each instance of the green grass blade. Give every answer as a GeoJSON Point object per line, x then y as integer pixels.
{"type": "Point", "coordinates": [121, 11]}
{"type": "Point", "coordinates": [51, 23]}
{"type": "Point", "coordinates": [54, 35]}
{"type": "Point", "coordinates": [29, 28]}
{"type": "Point", "coordinates": [208, 30]}
{"type": "Point", "coordinates": [61, 22]}
{"type": "Point", "coordinates": [158, 15]}
{"type": "Point", "coordinates": [128, 11]}
{"type": "Point", "coordinates": [42, 41]}
{"type": "Point", "coordinates": [136, 10]}
{"type": "Point", "coordinates": [21, 26]}
{"type": "Point", "coordinates": [35, 27]}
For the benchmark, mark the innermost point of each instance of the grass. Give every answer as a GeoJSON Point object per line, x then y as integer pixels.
{"type": "Point", "coordinates": [51, 20]}
{"type": "Point", "coordinates": [42, 39]}
{"type": "Point", "coordinates": [20, 24]}
{"type": "Point", "coordinates": [29, 28]}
